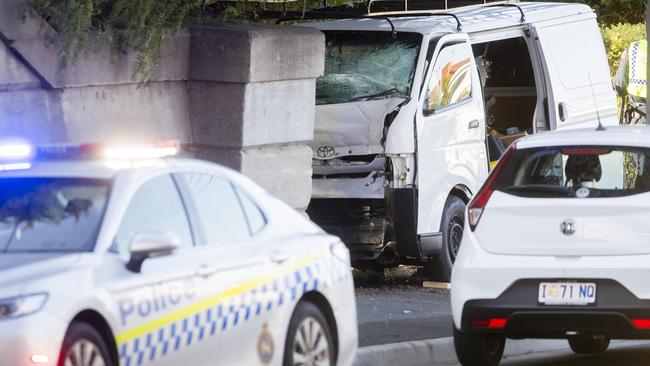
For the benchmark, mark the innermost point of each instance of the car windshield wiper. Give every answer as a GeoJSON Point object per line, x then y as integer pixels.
{"type": "Point", "coordinates": [541, 188]}
{"type": "Point", "coordinates": [385, 93]}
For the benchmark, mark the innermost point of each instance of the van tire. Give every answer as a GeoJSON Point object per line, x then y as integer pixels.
{"type": "Point", "coordinates": [451, 226]}
{"type": "Point", "coordinates": [478, 349]}
{"type": "Point", "coordinates": [582, 345]}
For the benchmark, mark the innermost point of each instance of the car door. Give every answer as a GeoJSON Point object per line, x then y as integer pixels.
{"type": "Point", "coordinates": [232, 227]}
{"type": "Point", "coordinates": [450, 128]}
{"type": "Point", "coordinates": [155, 307]}
{"type": "Point", "coordinates": [576, 72]}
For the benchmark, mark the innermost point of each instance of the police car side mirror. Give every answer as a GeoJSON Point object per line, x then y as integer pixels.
{"type": "Point", "coordinates": [148, 245]}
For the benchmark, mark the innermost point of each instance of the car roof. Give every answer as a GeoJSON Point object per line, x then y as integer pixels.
{"type": "Point", "coordinates": [107, 169]}
{"type": "Point", "coordinates": [473, 20]}
{"type": "Point", "coordinates": [626, 135]}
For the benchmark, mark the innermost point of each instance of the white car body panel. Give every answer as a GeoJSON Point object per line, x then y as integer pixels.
{"type": "Point", "coordinates": [519, 238]}
{"type": "Point", "coordinates": [165, 315]}
{"type": "Point", "coordinates": [571, 74]}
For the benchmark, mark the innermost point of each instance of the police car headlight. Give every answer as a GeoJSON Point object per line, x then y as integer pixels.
{"type": "Point", "coordinates": [340, 251]}
{"type": "Point", "coordinates": [21, 306]}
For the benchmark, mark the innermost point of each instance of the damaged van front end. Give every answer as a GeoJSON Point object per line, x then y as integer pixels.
{"type": "Point", "coordinates": [364, 151]}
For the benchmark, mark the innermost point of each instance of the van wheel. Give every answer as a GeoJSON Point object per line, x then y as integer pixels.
{"type": "Point", "coordinates": [478, 349]}
{"type": "Point", "coordinates": [589, 345]}
{"type": "Point", "coordinates": [309, 340]}
{"type": "Point", "coordinates": [83, 346]}
{"type": "Point", "coordinates": [452, 225]}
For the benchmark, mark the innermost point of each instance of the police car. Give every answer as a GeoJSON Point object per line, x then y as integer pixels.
{"type": "Point", "coordinates": [128, 255]}
{"type": "Point", "coordinates": [557, 245]}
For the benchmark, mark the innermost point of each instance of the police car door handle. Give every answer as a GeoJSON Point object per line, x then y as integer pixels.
{"type": "Point", "coordinates": [206, 271]}
{"type": "Point", "coordinates": [473, 124]}
{"type": "Point", "coordinates": [280, 257]}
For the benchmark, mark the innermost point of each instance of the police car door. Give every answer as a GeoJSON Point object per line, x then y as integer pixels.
{"type": "Point", "coordinates": [158, 323]}
{"type": "Point", "coordinates": [450, 128]}
{"type": "Point", "coordinates": [229, 222]}
{"type": "Point", "coordinates": [576, 72]}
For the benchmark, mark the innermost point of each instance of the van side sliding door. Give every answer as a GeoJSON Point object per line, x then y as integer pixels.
{"type": "Point", "coordinates": [576, 71]}
{"type": "Point", "coordinates": [450, 129]}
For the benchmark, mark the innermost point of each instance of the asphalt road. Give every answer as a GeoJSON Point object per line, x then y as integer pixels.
{"type": "Point", "coordinates": [628, 353]}
{"type": "Point", "coordinates": [400, 309]}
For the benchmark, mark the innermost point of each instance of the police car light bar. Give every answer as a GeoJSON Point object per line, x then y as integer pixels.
{"type": "Point", "coordinates": [158, 150]}
{"type": "Point", "coordinates": [15, 151]}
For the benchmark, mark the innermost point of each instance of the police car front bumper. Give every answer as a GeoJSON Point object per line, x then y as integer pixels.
{"type": "Point", "coordinates": [33, 337]}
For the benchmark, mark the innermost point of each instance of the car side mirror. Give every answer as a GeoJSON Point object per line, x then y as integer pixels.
{"type": "Point", "coordinates": [148, 245]}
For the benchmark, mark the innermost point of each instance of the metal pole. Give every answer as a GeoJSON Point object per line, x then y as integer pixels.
{"type": "Point", "coordinates": [647, 71]}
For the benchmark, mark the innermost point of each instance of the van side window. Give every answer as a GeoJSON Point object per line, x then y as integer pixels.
{"type": "Point", "coordinates": [451, 77]}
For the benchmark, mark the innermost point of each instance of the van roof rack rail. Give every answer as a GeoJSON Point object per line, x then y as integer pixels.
{"type": "Point", "coordinates": [358, 10]}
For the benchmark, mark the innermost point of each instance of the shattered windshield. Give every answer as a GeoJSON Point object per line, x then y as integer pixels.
{"type": "Point", "coordinates": [50, 214]}
{"type": "Point", "coordinates": [367, 66]}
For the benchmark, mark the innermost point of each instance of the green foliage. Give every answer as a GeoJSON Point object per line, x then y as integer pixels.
{"type": "Point", "coordinates": [617, 39]}
{"type": "Point", "coordinates": [124, 24]}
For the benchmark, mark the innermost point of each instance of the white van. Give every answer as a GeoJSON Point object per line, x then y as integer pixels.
{"type": "Point", "coordinates": [414, 105]}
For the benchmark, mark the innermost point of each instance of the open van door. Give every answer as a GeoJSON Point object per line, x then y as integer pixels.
{"type": "Point", "coordinates": [450, 131]}
{"type": "Point", "coordinates": [576, 72]}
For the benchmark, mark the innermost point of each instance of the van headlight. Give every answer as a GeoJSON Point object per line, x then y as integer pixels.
{"type": "Point", "coordinates": [23, 305]}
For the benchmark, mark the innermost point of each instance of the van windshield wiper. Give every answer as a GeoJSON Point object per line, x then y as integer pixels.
{"type": "Point", "coordinates": [385, 93]}
{"type": "Point", "coordinates": [552, 189]}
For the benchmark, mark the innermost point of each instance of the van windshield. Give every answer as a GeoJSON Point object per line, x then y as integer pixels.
{"type": "Point", "coordinates": [51, 214]}
{"type": "Point", "coordinates": [367, 66]}
{"type": "Point", "coordinates": [576, 172]}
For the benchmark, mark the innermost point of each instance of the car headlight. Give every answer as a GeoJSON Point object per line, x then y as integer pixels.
{"type": "Point", "coordinates": [22, 305]}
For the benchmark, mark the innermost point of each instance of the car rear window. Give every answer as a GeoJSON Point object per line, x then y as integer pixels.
{"type": "Point", "coordinates": [576, 172]}
{"type": "Point", "coordinates": [51, 214]}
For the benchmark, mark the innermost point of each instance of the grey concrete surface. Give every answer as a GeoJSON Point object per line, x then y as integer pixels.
{"type": "Point", "coordinates": [628, 353]}
{"type": "Point", "coordinates": [241, 95]}
{"type": "Point", "coordinates": [256, 53]}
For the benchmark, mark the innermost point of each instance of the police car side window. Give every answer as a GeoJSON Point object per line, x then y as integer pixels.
{"type": "Point", "coordinates": [218, 209]}
{"type": "Point", "coordinates": [155, 207]}
{"type": "Point", "coordinates": [256, 219]}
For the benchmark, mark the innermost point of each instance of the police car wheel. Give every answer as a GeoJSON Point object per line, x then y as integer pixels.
{"type": "Point", "coordinates": [83, 346]}
{"type": "Point", "coordinates": [309, 340]}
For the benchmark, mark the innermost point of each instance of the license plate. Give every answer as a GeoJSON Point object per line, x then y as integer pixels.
{"type": "Point", "coordinates": [567, 293]}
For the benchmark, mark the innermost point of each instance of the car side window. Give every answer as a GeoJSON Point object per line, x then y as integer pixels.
{"type": "Point", "coordinates": [218, 209]}
{"type": "Point", "coordinates": [451, 78]}
{"type": "Point", "coordinates": [256, 219]}
{"type": "Point", "coordinates": [156, 207]}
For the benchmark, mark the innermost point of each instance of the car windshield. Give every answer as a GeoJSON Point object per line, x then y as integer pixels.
{"type": "Point", "coordinates": [50, 214]}
{"type": "Point", "coordinates": [576, 172]}
{"type": "Point", "coordinates": [367, 66]}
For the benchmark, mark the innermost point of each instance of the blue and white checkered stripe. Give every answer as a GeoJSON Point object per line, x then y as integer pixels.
{"type": "Point", "coordinates": [634, 56]}
{"type": "Point", "coordinates": [228, 314]}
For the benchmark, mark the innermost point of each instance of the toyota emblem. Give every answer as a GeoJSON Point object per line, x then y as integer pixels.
{"type": "Point", "coordinates": [325, 151]}
{"type": "Point", "coordinates": [568, 227]}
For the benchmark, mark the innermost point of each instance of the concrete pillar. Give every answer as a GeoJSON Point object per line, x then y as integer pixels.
{"type": "Point", "coordinates": [256, 102]}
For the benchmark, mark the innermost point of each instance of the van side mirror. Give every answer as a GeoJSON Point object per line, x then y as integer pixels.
{"type": "Point", "coordinates": [148, 245]}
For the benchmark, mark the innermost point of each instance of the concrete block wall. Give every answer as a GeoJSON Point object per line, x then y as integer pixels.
{"type": "Point", "coordinates": [261, 115]}
{"type": "Point", "coordinates": [240, 95]}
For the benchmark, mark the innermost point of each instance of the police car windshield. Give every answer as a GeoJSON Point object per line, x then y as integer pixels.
{"type": "Point", "coordinates": [51, 214]}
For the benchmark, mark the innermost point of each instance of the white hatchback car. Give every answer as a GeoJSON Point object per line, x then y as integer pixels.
{"type": "Point", "coordinates": [138, 259]}
{"type": "Point", "coordinates": [557, 245]}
